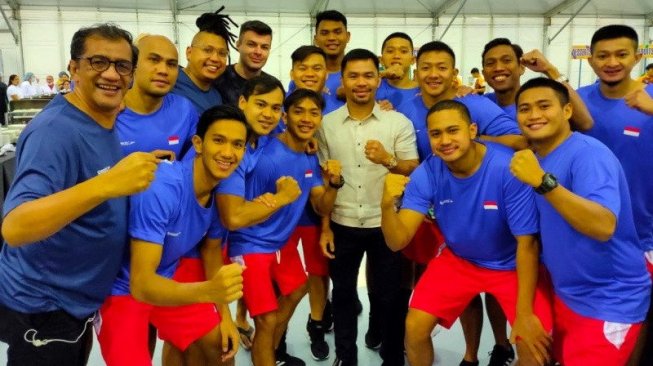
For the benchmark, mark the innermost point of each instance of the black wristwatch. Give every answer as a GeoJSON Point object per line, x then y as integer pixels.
{"type": "Point", "coordinates": [549, 182]}
{"type": "Point", "coordinates": [339, 184]}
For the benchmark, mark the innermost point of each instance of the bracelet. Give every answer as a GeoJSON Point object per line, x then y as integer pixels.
{"type": "Point", "coordinates": [338, 185]}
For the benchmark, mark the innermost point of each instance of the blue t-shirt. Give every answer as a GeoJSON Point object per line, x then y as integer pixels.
{"type": "Point", "coordinates": [511, 110]}
{"type": "Point", "coordinates": [73, 269]}
{"type": "Point", "coordinates": [168, 214]}
{"type": "Point", "coordinates": [491, 120]}
{"type": "Point", "coordinates": [601, 280]}
{"type": "Point", "coordinates": [479, 215]}
{"type": "Point", "coordinates": [202, 100]}
{"type": "Point", "coordinates": [628, 133]}
{"type": "Point", "coordinates": [395, 95]}
{"type": "Point", "coordinates": [276, 160]}
{"type": "Point", "coordinates": [171, 127]}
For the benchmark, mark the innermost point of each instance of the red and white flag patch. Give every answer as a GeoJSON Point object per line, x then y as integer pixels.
{"type": "Point", "coordinates": [173, 140]}
{"type": "Point", "coordinates": [490, 205]}
{"type": "Point", "coordinates": [631, 131]}
{"type": "Point", "coordinates": [308, 174]}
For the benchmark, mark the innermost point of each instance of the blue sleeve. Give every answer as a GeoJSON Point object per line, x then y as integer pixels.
{"type": "Point", "coordinates": [490, 118]}
{"type": "Point", "coordinates": [521, 210]}
{"type": "Point", "coordinates": [216, 230]}
{"type": "Point", "coordinates": [419, 192]}
{"type": "Point", "coordinates": [235, 183]}
{"type": "Point", "coordinates": [151, 211]}
{"type": "Point", "coordinates": [595, 176]}
{"type": "Point", "coordinates": [191, 121]}
{"type": "Point", "coordinates": [47, 160]}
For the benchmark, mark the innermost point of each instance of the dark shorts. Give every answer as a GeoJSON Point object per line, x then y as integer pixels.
{"type": "Point", "coordinates": [50, 338]}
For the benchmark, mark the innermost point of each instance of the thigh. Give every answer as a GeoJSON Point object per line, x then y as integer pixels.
{"type": "Point", "coordinates": [258, 289]}
{"type": "Point", "coordinates": [122, 331]}
{"type": "Point", "coordinates": [385, 265]}
{"type": "Point", "coordinates": [49, 338]}
{"type": "Point", "coordinates": [343, 269]}
{"type": "Point", "coordinates": [287, 271]}
{"type": "Point", "coordinates": [316, 263]}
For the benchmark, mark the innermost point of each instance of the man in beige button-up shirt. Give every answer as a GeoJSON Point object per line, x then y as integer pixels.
{"type": "Point", "coordinates": [369, 143]}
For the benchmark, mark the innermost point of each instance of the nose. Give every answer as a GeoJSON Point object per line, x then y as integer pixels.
{"type": "Point", "coordinates": [111, 73]}
{"type": "Point", "coordinates": [267, 112]}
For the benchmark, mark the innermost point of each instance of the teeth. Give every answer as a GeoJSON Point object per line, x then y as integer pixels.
{"type": "Point", "coordinates": [500, 78]}
{"type": "Point", "coordinates": [107, 87]}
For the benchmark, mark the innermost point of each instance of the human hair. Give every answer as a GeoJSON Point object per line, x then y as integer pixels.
{"type": "Point", "coordinates": [299, 95]}
{"type": "Point", "coordinates": [108, 31]}
{"type": "Point", "coordinates": [436, 46]}
{"type": "Point", "coordinates": [397, 35]}
{"type": "Point", "coordinates": [12, 77]}
{"type": "Point", "coordinates": [502, 42]}
{"type": "Point", "coordinates": [614, 31]}
{"type": "Point", "coordinates": [560, 90]}
{"type": "Point", "coordinates": [262, 84]}
{"type": "Point", "coordinates": [220, 113]}
{"type": "Point", "coordinates": [648, 67]}
{"type": "Point", "coordinates": [451, 104]}
{"type": "Point", "coordinates": [303, 52]}
{"type": "Point", "coordinates": [332, 15]}
{"type": "Point", "coordinates": [359, 54]}
{"type": "Point", "coordinates": [257, 27]}
{"type": "Point", "coordinates": [218, 24]}
{"type": "Point", "coordinates": [62, 74]}
{"type": "Point", "coordinates": [474, 70]}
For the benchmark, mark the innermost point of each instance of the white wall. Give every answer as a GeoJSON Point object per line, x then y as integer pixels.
{"type": "Point", "coordinates": [46, 35]}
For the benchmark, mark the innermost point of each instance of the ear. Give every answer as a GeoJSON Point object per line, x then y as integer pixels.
{"type": "Point", "coordinates": [73, 67]}
{"type": "Point", "coordinates": [567, 110]}
{"type": "Point", "coordinates": [638, 56]}
{"type": "Point", "coordinates": [188, 51]}
{"type": "Point", "coordinates": [348, 36]}
{"type": "Point", "coordinates": [473, 130]}
{"type": "Point", "coordinates": [284, 118]}
{"type": "Point", "coordinates": [242, 102]}
{"type": "Point", "coordinates": [197, 144]}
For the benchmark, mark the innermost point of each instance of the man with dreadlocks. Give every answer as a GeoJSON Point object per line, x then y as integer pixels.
{"type": "Point", "coordinates": [207, 58]}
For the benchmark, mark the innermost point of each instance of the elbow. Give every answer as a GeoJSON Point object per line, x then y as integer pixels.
{"type": "Point", "coordinates": [11, 234]}
{"type": "Point", "coordinates": [232, 223]}
{"type": "Point", "coordinates": [137, 289]}
{"type": "Point", "coordinates": [604, 232]}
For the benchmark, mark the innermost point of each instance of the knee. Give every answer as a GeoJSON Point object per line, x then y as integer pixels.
{"type": "Point", "coordinates": [266, 323]}
{"type": "Point", "coordinates": [416, 329]}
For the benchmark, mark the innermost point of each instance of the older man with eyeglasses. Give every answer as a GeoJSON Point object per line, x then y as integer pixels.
{"type": "Point", "coordinates": [65, 223]}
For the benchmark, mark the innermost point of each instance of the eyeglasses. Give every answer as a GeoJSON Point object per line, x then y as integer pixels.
{"type": "Point", "coordinates": [101, 64]}
{"type": "Point", "coordinates": [210, 50]}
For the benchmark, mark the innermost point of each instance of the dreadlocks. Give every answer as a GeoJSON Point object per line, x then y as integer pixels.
{"type": "Point", "coordinates": [218, 24]}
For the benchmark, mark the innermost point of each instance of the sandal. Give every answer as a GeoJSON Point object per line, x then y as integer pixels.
{"type": "Point", "coordinates": [246, 337]}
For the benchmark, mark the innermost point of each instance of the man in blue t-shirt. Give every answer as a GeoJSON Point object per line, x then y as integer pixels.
{"type": "Point", "coordinates": [622, 109]}
{"type": "Point", "coordinates": [436, 74]}
{"type": "Point", "coordinates": [165, 222]}
{"type": "Point", "coordinates": [503, 65]}
{"type": "Point", "coordinates": [65, 223]}
{"type": "Point", "coordinates": [493, 249]}
{"type": "Point", "coordinates": [154, 119]}
{"type": "Point", "coordinates": [397, 58]}
{"type": "Point", "coordinates": [261, 248]}
{"type": "Point", "coordinates": [207, 58]}
{"type": "Point", "coordinates": [589, 242]}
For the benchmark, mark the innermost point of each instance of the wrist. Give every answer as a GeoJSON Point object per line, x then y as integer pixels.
{"type": "Point", "coordinates": [390, 162]}
{"type": "Point", "coordinates": [339, 183]}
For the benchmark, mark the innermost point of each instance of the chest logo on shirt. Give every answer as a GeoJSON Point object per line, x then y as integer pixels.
{"type": "Point", "coordinates": [631, 131]}
{"type": "Point", "coordinates": [173, 140]}
{"type": "Point", "coordinates": [308, 174]}
{"type": "Point", "coordinates": [490, 205]}
{"type": "Point", "coordinates": [127, 143]}
{"type": "Point", "coordinates": [444, 202]}
{"type": "Point", "coordinates": [103, 170]}
{"type": "Point", "coordinates": [173, 234]}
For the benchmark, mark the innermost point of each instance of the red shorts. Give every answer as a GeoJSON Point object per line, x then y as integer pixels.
{"type": "Point", "coordinates": [123, 328]}
{"type": "Point", "coordinates": [450, 283]}
{"type": "Point", "coordinates": [316, 263]}
{"type": "Point", "coordinates": [578, 340]}
{"type": "Point", "coordinates": [283, 267]}
{"type": "Point", "coordinates": [425, 243]}
{"type": "Point", "coordinates": [648, 256]}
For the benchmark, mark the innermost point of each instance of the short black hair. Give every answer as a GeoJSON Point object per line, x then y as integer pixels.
{"type": "Point", "coordinates": [262, 84]}
{"type": "Point", "coordinates": [257, 27]}
{"type": "Point", "coordinates": [108, 31]}
{"type": "Point", "coordinates": [560, 90]}
{"type": "Point", "coordinates": [299, 95]}
{"type": "Point", "coordinates": [451, 104]}
{"type": "Point", "coordinates": [218, 24]}
{"type": "Point", "coordinates": [648, 67]}
{"type": "Point", "coordinates": [303, 52]}
{"type": "Point", "coordinates": [475, 69]}
{"type": "Point", "coordinates": [519, 52]}
{"type": "Point", "coordinates": [359, 54]}
{"type": "Point", "coordinates": [397, 35]}
{"type": "Point", "coordinates": [332, 15]}
{"type": "Point", "coordinates": [436, 46]}
{"type": "Point", "coordinates": [614, 31]}
{"type": "Point", "coordinates": [219, 113]}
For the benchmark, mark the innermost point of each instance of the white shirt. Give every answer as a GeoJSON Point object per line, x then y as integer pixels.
{"type": "Point", "coordinates": [29, 90]}
{"type": "Point", "coordinates": [14, 90]}
{"type": "Point", "coordinates": [46, 90]}
{"type": "Point", "coordinates": [343, 138]}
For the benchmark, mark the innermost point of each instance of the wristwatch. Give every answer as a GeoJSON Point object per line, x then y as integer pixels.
{"type": "Point", "coordinates": [392, 163]}
{"type": "Point", "coordinates": [549, 182]}
{"type": "Point", "coordinates": [338, 185]}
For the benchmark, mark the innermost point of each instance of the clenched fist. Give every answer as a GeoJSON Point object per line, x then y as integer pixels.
{"type": "Point", "coordinates": [639, 99]}
{"type": "Point", "coordinates": [227, 284]}
{"type": "Point", "coordinates": [287, 190]}
{"type": "Point", "coordinates": [132, 174]}
{"type": "Point", "coordinates": [333, 171]}
{"type": "Point", "coordinates": [394, 187]}
{"type": "Point", "coordinates": [376, 153]}
{"type": "Point", "coordinates": [525, 167]}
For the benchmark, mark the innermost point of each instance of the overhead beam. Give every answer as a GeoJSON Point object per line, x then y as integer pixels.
{"type": "Point", "coordinates": [175, 22]}
{"type": "Point", "coordinates": [444, 7]}
{"type": "Point", "coordinates": [13, 4]}
{"type": "Point", "coordinates": [9, 25]}
{"type": "Point", "coordinates": [191, 4]}
{"type": "Point", "coordinates": [559, 8]}
{"type": "Point", "coordinates": [319, 6]}
{"type": "Point", "coordinates": [649, 19]}
{"type": "Point", "coordinates": [569, 20]}
{"type": "Point", "coordinates": [462, 4]}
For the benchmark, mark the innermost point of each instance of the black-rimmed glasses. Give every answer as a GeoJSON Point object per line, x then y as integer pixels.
{"type": "Point", "coordinates": [101, 64]}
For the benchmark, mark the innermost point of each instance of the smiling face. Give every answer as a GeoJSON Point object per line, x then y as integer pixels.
{"type": "Point", "coordinates": [303, 119]}
{"type": "Point", "coordinates": [613, 59]}
{"type": "Point", "coordinates": [254, 50]}
{"type": "Point", "coordinates": [207, 57]}
{"type": "Point", "coordinates": [101, 91]}
{"type": "Point", "coordinates": [310, 73]}
{"type": "Point", "coordinates": [263, 111]}
{"type": "Point", "coordinates": [360, 80]}
{"type": "Point", "coordinates": [501, 68]}
{"type": "Point", "coordinates": [450, 134]}
{"type": "Point", "coordinates": [435, 73]}
{"type": "Point", "coordinates": [222, 148]}
{"type": "Point", "coordinates": [541, 116]}
{"type": "Point", "coordinates": [157, 70]}
{"type": "Point", "coordinates": [332, 36]}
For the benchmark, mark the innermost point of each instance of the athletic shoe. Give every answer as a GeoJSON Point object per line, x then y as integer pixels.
{"type": "Point", "coordinates": [372, 339]}
{"type": "Point", "coordinates": [339, 362]}
{"type": "Point", "coordinates": [284, 359]}
{"type": "Point", "coordinates": [468, 363]}
{"type": "Point", "coordinates": [501, 356]}
{"type": "Point", "coordinates": [319, 347]}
